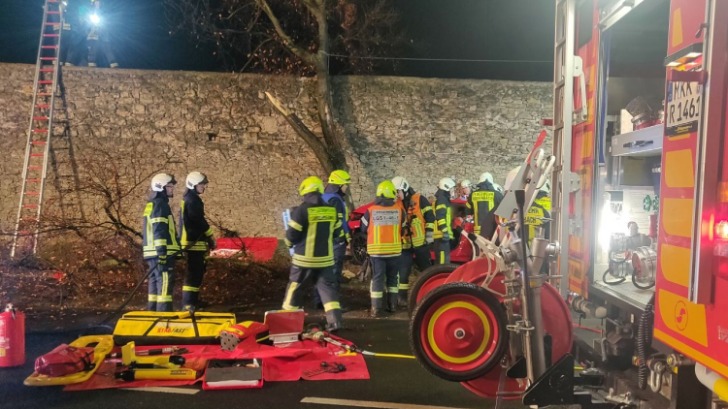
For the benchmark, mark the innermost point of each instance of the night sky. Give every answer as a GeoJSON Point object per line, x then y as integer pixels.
{"type": "Point", "coordinates": [504, 30]}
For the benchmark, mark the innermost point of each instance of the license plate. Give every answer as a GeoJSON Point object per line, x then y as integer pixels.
{"type": "Point", "coordinates": [682, 113]}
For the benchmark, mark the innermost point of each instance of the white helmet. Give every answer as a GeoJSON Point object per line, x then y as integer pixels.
{"type": "Point", "coordinates": [195, 178]}
{"type": "Point", "coordinates": [486, 176]}
{"type": "Point", "coordinates": [465, 183]}
{"type": "Point", "coordinates": [446, 184]}
{"type": "Point", "coordinates": [160, 180]}
{"type": "Point", "coordinates": [546, 188]}
{"type": "Point", "coordinates": [400, 183]}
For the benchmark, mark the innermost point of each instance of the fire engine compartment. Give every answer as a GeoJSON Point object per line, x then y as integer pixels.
{"type": "Point", "coordinates": [629, 134]}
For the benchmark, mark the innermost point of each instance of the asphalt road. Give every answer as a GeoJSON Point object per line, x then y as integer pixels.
{"type": "Point", "coordinates": [394, 383]}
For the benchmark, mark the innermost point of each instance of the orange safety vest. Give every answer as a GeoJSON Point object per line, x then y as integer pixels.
{"type": "Point", "coordinates": [384, 236]}
{"type": "Point", "coordinates": [417, 223]}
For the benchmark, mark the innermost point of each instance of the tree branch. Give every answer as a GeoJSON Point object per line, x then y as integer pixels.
{"type": "Point", "coordinates": [287, 40]}
{"type": "Point", "coordinates": [318, 148]}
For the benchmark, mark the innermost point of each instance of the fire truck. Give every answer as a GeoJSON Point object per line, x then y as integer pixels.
{"type": "Point", "coordinates": [638, 231]}
{"type": "Point", "coordinates": [641, 209]}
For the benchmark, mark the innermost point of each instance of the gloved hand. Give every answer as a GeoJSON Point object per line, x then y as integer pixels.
{"type": "Point", "coordinates": [428, 237]}
{"type": "Point", "coordinates": [211, 243]}
{"type": "Point", "coordinates": [446, 236]}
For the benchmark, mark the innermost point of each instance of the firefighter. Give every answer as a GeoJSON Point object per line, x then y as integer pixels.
{"type": "Point", "coordinates": [443, 220]}
{"type": "Point", "coordinates": [538, 213]}
{"type": "Point", "coordinates": [335, 195]}
{"type": "Point", "coordinates": [417, 235]}
{"type": "Point", "coordinates": [310, 232]}
{"type": "Point", "coordinates": [196, 238]}
{"type": "Point", "coordinates": [383, 223]}
{"type": "Point", "coordinates": [159, 242]}
{"type": "Point", "coordinates": [482, 203]}
{"type": "Point", "coordinates": [465, 188]}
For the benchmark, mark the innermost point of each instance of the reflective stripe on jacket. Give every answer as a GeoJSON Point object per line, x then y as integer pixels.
{"type": "Point", "coordinates": [311, 231]}
{"type": "Point", "coordinates": [383, 227]}
{"type": "Point", "coordinates": [159, 236]}
{"type": "Point", "coordinates": [483, 203]}
{"type": "Point", "coordinates": [194, 228]}
{"type": "Point", "coordinates": [443, 214]}
{"type": "Point", "coordinates": [420, 218]}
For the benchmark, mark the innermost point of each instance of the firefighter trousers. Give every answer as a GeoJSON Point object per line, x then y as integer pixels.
{"type": "Point", "coordinates": [323, 279]}
{"type": "Point", "coordinates": [442, 251]}
{"type": "Point", "coordinates": [161, 284]}
{"type": "Point", "coordinates": [196, 267]}
{"type": "Point", "coordinates": [419, 256]}
{"type": "Point", "coordinates": [339, 255]}
{"type": "Point", "coordinates": [385, 276]}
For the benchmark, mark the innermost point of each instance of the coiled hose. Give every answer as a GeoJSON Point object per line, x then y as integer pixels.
{"type": "Point", "coordinates": [614, 265]}
{"type": "Point", "coordinates": [644, 342]}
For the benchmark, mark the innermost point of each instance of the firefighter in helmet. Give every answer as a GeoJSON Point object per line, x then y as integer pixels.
{"type": "Point", "coordinates": [335, 195]}
{"type": "Point", "coordinates": [159, 242]}
{"type": "Point", "coordinates": [311, 232]}
{"type": "Point", "coordinates": [482, 203]}
{"type": "Point", "coordinates": [465, 189]}
{"type": "Point", "coordinates": [443, 220]}
{"type": "Point", "coordinates": [383, 223]}
{"type": "Point", "coordinates": [538, 215]}
{"type": "Point", "coordinates": [417, 235]}
{"type": "Point", "coordinates": [196, 237]}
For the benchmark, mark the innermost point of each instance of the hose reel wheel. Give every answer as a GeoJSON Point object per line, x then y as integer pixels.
{"type": "Point", "coordinates": [458, 332]}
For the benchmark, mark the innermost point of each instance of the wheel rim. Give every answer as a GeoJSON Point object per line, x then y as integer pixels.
{"type": "Point", "coordinates": [459, 333]}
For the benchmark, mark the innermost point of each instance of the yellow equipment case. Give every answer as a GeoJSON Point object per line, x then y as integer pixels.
{"type": "Point", "coordinates": [170, 328]}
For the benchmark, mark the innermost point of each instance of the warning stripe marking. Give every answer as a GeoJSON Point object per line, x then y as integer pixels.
{"type": "Point", "coordinates": [369, 404]}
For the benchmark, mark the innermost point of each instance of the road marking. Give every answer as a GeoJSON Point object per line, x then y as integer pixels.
{"type": "Point", "coordinates": [370, 404]}
{"type": "Point", "coordinates": [160, 389]}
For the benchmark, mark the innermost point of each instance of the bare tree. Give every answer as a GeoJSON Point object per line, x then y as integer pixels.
{"type": "Point", "coordinates": [304, 37]}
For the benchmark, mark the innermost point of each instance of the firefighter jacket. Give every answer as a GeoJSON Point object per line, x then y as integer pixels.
{"type": "Point", "coordinates": [483, 202]}
{"type": "Point", "coordinates": [420, 219]}
{"type": "Point", "coordinates": [311, 231]}
{"type": "Point", "coordinates": [383, 223]}
{"type": "Point", "coordinates": [194, 229]}
{"type": "Point", "coordinates": [333, 196]}
{"type": "Point", "coordinates": [159, 236]}
{"type": "Point", "coordinates": [443, 215]}
{"type": "Point", "coordinates": [540, 209]}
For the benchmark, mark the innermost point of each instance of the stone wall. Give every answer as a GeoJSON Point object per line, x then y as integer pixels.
{"type": "Point", "coordinates": [128, 124]}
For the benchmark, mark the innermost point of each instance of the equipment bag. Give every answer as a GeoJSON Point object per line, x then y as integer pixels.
{"type": "Point", "coordinates": [65, 360]}
{"type": "Point", "coordinates": [170, 328]}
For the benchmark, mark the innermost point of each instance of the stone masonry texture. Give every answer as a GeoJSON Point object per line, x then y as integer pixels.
{"type": "Point", "coordinates": [126, 125]}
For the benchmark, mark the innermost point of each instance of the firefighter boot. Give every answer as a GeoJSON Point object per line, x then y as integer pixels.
{"type": "Point", "coordinates": [402, 299]}
{"type": "Point", "coordinates": [333, 320]}
{"type": "Point", "coordinates": [377, 304]}
{"type": "Point", "coordinates": [392, 299]}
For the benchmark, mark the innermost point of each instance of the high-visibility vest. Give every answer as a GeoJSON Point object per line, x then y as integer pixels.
{"type": "Point", "coordinates": [415, 236]}
{"type": "Point", "coordinates": [384, 236]}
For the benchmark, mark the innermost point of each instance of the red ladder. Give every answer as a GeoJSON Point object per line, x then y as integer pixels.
{"type": "Point", "coordinates": [27, 226]}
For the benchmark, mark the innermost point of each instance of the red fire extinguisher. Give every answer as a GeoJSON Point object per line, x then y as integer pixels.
{"type": "Point", "coordinates": [12, 337]}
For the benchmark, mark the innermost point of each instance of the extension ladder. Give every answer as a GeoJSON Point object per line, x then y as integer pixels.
{"type": "Point", "coordinates": [47, 69]}
{"type": "Point", "coordinates": [564, 38]}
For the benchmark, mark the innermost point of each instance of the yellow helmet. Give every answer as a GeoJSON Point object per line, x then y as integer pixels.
{"type": "Point", "coordinates": [386, 189]}
{"type": "Point", "coordinates": [311, 184]}
{"type": "Point", "coordinates": [339, 177]}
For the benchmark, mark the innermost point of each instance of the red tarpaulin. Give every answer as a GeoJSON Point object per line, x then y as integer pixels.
{"type": "Point", "coordinates": [279, 364]}
{"type": "Point", "coordinates": [261, 249]}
